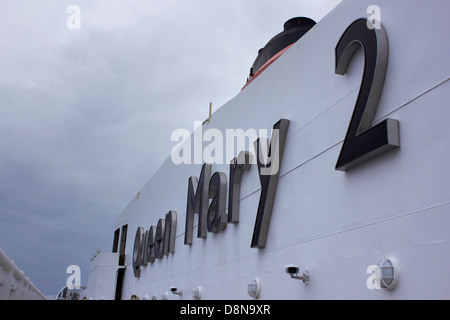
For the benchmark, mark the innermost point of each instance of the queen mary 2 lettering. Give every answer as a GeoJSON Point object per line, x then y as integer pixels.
{"type": "Point", "coordinates": [206, 196]}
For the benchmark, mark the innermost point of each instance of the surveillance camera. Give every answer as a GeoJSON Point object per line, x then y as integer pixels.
{"type": "Point", "coordinates": [292, 269]}
{"type": "Point", "coordinates": [175, 290]}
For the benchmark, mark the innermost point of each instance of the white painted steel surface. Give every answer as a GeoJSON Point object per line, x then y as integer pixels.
{"type": "Point", "coordinates": [102, 277]}
{"type": "Point", "coordinates": [335, 223]}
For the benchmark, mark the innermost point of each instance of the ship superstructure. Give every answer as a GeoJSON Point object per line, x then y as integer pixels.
{"type": "Point", "coordinates": [348, 198]}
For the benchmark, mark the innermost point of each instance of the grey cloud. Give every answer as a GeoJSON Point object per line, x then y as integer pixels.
{"type": "Point", "coordinates": [86, 115]}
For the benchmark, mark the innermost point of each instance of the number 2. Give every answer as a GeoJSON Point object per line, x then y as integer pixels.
{"type": "Point", "coordinates": [364, 141]}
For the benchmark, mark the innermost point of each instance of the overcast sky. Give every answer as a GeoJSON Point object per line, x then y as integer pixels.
{"type": "Point", "coordinates": [86, 114]}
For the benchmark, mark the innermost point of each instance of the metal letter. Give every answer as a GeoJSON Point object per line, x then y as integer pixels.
{"type": "Point", "coordinates": [159, 239]}
{"type": "Point", "coordinates": [237, 167]}
{"type": "Point", "coordinates": [170, 232]}
{"type": "Point", "coordinates": [217, 218]}
{"type": "Point", "coordinates": [151, 244]}
{"type": "Point", "coordinates": [362, 140]}
{"type": "Point", "coordinates": [137, 252]}
{"type": "Point", "coordinates": [197, 203]}
{"type": "Point", "coordinates": [144, 249]}
{"type": "Point", "coordinates": [269, 182]}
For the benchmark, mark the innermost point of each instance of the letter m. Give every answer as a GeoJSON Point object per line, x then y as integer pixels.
{"type": "Point", "coordinates": [197, 202]}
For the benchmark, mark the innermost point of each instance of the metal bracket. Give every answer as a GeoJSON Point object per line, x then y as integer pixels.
{"type": "Point", "coordinates": [304, 277]}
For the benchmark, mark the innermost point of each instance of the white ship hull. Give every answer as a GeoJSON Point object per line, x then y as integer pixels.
{"type": "Point", "coordinates": [337, 224]}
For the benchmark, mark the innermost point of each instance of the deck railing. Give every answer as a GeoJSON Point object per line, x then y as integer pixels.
{"type": "Point", "coordinates": [14, 285]}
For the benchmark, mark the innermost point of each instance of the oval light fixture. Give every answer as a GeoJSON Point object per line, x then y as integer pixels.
{"type": "Point", "coordinates": [254, 288]}
{"type": "Point", "coordinates": [388, 273]}
{"type": "Point", "coordinates": [197, 293]}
